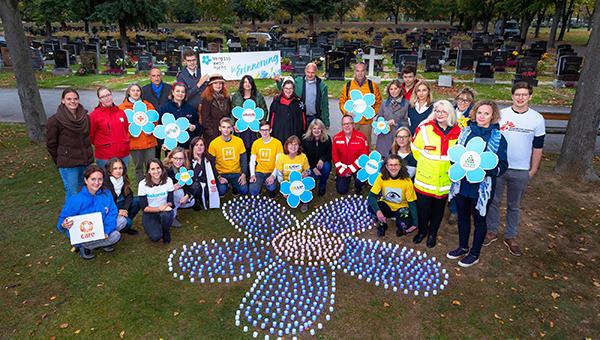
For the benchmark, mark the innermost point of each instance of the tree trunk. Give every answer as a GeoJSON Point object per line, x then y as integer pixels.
{"type": "Point", "coordinates": [525, 23]}
{"type": "Point", "coordinates": [86, 26]}
{"type": "Point", "coordinates": [577, 152]}
{"type": "Point", "coordinates": [540, 18]}
{"type": "Point", "coordinates": [48, 26]}
{"type": "Point", "coordinates": [557, 14]}
{"type": "Point", "coordinates": [566, 20]}
{"type": "Point", "coordinates": [311, 23]}
{"type": "Point", "coordinates": [123, 35]}
{"type": "Point", "coordinates": [486, 24]}
{"type": "Point", "coordinates": [29, 94]}
{"type": "Point", "coordinates": [396, 14]}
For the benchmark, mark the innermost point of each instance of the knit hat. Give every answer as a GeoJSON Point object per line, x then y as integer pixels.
{"type": "Point", "coordinates": [215, 78]}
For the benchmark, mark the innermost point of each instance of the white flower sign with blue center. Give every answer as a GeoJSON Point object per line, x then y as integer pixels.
{"type": "Point", "coordinates": [471, 161]}
{"type": "Point", "coordinates": [184, 176]}
{"type": "Point", "coordinates": [360, 105]}
{"type": "Point", "coordinates": [370, 166]}
{"type": "Point", "coordinates": [297, 189]}
{"type": "Point", "coordinates": [141, 119]}
{"type": "Point", "coordinates": [248, 116]}
{"type": "Point", "coordinates": [381, 126]}
{"type": "Point", "coordinates": [172, 131]}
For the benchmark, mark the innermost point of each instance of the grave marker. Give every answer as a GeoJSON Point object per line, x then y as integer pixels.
{"type": "Point", "coordinates": [526, 71]}
{"type": "Point", "coordinates": [464, 61]}
{"type": "Point", "coordinates": [484, 72]}
{"type": "Point", "coordinates": [336, 65]}
{"type": "Point", "coordinates": [433, 61]}
{"type": "Point", "coordinates": [371, 58]}
{"type": "Point", "coordinates": [61, 63]}
{"type": "Point", "coordinates": [144, 62]}
{"type": "Point", "coordinates": [568, 69]}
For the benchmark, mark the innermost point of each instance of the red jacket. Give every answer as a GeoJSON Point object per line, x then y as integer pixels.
{"type": "Point", "coordinates": [109, 132]}
{"type": "Point", "coordinates": [345, 156]}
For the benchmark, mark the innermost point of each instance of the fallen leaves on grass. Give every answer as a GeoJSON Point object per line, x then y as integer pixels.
{"type": "Point", "coordinates": [555, 295]}
{"type": "Point", "coordinates": [122, 334]}
{"type": "Point", "coordinates": [456, 302]}
{"type": "Point", "coordinates": [385, 304]}
{"type": "Point", "coordinates": [63, 325]}
{"type": "Point", "coordinates": [175, 313]}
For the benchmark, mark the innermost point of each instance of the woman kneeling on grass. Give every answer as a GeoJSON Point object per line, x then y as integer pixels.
{"type": "Point", "coordinates": [393, 196]}
{"type": "Point", "coordinates": [182, 196]}
{"type": "Point", "coordinates": [155, 192]}
{"type": "Point", "coordinates": [118, 184]}
{"type": "Point", "coordinates": [91, 199]}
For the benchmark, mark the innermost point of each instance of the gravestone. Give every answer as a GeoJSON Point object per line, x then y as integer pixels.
{"type": "Point", "coordinates": [500, 58]}
{"type": "Point", "coordinates": [173, 62]}
{"type": "Point", "coordinates": [526, 71]}
{"type": "Point", "coordinates": [299, 63]}
{"type": "Point", "coordinates": [6, 62]}
{"type": "Point", "coordinates": [484, 72]}
{"type": "Point", "coordinates": [303, 49]}
{"type": "Point", "coordinates": [399, 52]}
{"type": "Point", "coordinates": [464, 61]}
{"type": "Point", "coordinates": [61, 63]}
{"type": "Point", "coordinates": [433, 61]}
{"type": "Point", "coordinates": [37, 59]}
{"type": "Point", "coordinates": [336, 65]}
{"type": "Point", "coordinates": [287, 52]}
{"type": "Point", "coordinates": [316, 52]}
{"type": "Point", "coordinates": [72, 49]}
{"type": "Point", "coordinates": [144, 62]}
{"type": "Point", "coordinates": [90, 61]}
{"type": "Point", "coordinates": [407, 60]}
{"type": "Point", "coordinates": [115, 55]}
{"type": "Point", "coordinates": [568, 69]}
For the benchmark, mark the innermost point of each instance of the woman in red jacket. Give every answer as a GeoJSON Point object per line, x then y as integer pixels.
{"type": "Point", "coordinates": [109, 130]}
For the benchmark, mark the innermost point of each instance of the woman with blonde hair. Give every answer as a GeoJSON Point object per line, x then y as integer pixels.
{"type": "Point", "coordinates": [183, 198]}
{"type": "Point", "coordinates": [395, 112]}
{"type": "Point", "coordinates": [420, 105]}
{"type": "Point", "coordinates": [317, 146]}
{"type": "Point", "coordinates": [432, 183]}
{"type": "Point", "coordinates": [401, 147]}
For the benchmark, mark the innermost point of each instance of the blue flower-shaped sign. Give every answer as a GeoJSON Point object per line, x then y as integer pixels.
{"type": "Point", "coordinates": [172, 131]}
{"type": "Point", "coordinates": [248, 116]}
{"type": "Point", "coordinates": [206, 59]}
{"type": "Point", "coordinates": [370, 166]}
{"type": "Point", "coordinates": [381, 126]}
{"type": "Point", "coordinates": [297, 189]}
{"type": "Point", "coordinates": [360, 105]}
{"type": "Point", "coordinates": [471, 161]}
{"type": "Point", "coordinates": [141, 119]}
{"type": "Point", "coordinates": [184, 176]}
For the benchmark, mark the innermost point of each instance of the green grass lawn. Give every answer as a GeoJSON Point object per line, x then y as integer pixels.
{"type": "Point", "coordinates": [552, 291]}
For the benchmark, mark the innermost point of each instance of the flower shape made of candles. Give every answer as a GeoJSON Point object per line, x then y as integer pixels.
{"type": "Point", "coordinates": [296, 263]}
{"type": "Point", "coordinates": [297, 189]}
{"type": "Point", "coordinates": [172, 131]}
{"type": "Point", "coordinates": [381, 126]}
{"type": "Point", "coordinates": [248, 116]}
{"type": "Point", "coordinates": [360, 105]}
{"type": "Point", "coordinates": [471, 161]}
{"type": "Point", "coordinates": [370, 166]}
{"type": "Point", "coordinates": [184, 176]}
{"type": "Point", "coordinates": [141, 119]}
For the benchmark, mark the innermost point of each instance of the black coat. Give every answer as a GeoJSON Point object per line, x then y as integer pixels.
{"type": "Point", "coordinates": [317, 151]}
{"type": "Point", "coordinates": [149, 95]}
{"type": "Point", "coordinates": [287, 120]}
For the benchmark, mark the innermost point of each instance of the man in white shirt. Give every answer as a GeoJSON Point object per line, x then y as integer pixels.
{"type": "Point", "coordinates": [524, 130]}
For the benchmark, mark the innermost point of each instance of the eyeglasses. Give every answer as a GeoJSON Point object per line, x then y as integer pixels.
{"type": "Point", "coordinates": [105, 96]}
{"type": "Point", "coordinates": [521, 95]}
{"type": "Point", "coordinates": [440, 111]}
{"type": "Point", "coordinates": [178, 158]}
{"type": "Point", "coordinates": [265, 130]}
{"type": "Point", "coordinates": [403, 137]}
{"type": "Point", "coordinates": [462, 100]}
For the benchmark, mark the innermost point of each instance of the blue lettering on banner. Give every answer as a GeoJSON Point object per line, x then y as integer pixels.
{"type": "Point", "coordinates": [242, 69]}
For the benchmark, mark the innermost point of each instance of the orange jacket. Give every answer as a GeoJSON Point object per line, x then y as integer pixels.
{"type": "Point", "coordinates": [364, 89]}
{"type": "Point", "coordinates": [143, 141]}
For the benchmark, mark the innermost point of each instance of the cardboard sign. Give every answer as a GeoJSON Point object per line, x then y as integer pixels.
{"type": "Point", "coordinates": [233, 66]}
{"type": "Point", "coordinates": [86, 228]}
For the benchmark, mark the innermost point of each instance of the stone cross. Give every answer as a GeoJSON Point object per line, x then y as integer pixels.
{"type": "Point", "coordinates": [371, 57]}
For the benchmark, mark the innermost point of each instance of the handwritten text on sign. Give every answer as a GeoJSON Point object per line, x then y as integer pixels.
{"type": "Point", "coordinates": [233, 66]}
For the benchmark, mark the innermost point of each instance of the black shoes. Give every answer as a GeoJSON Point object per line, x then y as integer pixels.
{"type": "Point", "coordinates": [381, 229]}
{"type": "Point", "coordinates": [167, 237]}
{"type": "Point", "coordinates": [86, 254]}
{"type": "Point", "coordinates": [431, 241]}
{"type": "Point", "coordinates": [321, 192]}
{"type": "Point", "coordinates": [130, 231]}
{"type": "Point", "coordinates": [418, 238]}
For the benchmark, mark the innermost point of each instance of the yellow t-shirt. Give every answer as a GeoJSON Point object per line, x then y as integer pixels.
{"type": "Point", "coordinates": [395, 192]}
{"type": "Point", "coordinates": [227, 154]}
{"type": "Point", "coordinates": [265, 154]}
{"type": "Point", "coordinates": [285, 165]}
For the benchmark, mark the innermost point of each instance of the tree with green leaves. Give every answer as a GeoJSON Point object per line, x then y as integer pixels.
{"type": "Point", "coordinates": [83, 10]}
{"type": "Point", "coordinates": [46, 11]}
{"type": "Point", "coordinates": [254, 10]}
{"type": "Point", "coordinates": [131, 13]}
{"type": "Point", "coordinates": [183, 10]}
{"type": "Point", "coordinates": [312, 9]}
{"type": "Point", "coordinates": [395, 7]}
{"type": "Point", "coordinates": [342, 7]}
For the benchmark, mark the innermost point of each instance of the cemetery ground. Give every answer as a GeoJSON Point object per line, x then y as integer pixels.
{"type": "Point", "coordinates": [552, 291]}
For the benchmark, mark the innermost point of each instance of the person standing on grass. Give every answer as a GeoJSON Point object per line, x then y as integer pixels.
{"type": "Point", "coordinates": [524, 130]}
{"type": "Point", "coordinates": [473, 199]}
{"type": "Point", "coordinates": [155, 192]}
{"type": "Point", "coordinates": [364, 85]}
{"type": "Point", "coordinates": [215, 105]}
{"type": "Point", "coordinates": [262, 161]}
{"type": "Point", "coordinates": [68, 141]}
{"type": "Point", "coordinates": [409, 76]}
{"type": "Point", "coordinates": [109, 130]}
{"type": "Point", "coordinates": [287, 116]}
{"type": "Point", "coordinates": [180, 108]}
{"type": "Point", "coordinates": [231, 160]}
{"type": "Point", "coordinates": [91, 199]}
{"type": "Point", "coordinates": [247, 90]}
{"type": "Point", "coordinates": [348, 145]}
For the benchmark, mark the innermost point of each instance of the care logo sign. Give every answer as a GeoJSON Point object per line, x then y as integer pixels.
{"type": "Point", "coordinates": [86, 228]}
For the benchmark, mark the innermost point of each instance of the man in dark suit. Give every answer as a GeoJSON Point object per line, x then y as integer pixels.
{"type": "Point", "coordinates": [156, 92]}
{"type": "Point", "coordinates": [190, 76]}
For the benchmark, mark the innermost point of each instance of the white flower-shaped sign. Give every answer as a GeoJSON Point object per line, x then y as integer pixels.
{"type": "Point", "coordinates": [381, 126]}
{"type": "Point", "coordinates": [248, 116]}
{"type": "Point", "coordinates": [141, 119]}
{"type": "Point", "coordinates": [471, 161]}
{"type": "Point", "coordinates": [172, 131]}
{"type": "Point", "coordinates": [360, 105]}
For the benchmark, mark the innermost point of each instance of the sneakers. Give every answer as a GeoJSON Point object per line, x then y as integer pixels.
{"type": "Point", "coordinates": [130, 231]}
{"type": "Point", "coordinates": [108, 249]}
{"type": "Point", "coordinates": [303, 207]}
{"type": "Point", "coordinates": [321, 192]}
{"type": "Point", "coordinates": [457, 253]}
{"type": "Point", "coordinates": [452, 219]}
{"type": "Point", "coordinates": [489, 238]}
{"type": "Point", "coordinates": [468, 261]}
{"type": "Point", "coordinates": [86, 254]}
{"type": "Point", "coordinates": [176, 223]}
{"type": "Point", "coordinates": [381, 229]}
{"type": "Point", "coordinates": [513, 247]}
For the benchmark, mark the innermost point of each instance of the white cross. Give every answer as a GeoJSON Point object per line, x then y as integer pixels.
{"type": "Point", "coordinates": [371, 57]}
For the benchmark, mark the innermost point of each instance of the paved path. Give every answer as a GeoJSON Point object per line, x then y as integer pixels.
{"type": "Point", "coordinates": [10, 111]}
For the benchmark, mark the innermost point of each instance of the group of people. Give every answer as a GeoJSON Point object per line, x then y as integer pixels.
{"type": "Point", "coordinates": [413, 186]}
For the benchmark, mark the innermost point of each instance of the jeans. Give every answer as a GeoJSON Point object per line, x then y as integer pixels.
{"type": "Point", "coordinates": [260, 180]}
{"type": "Point", "coordinates": [233, 180]}
{"type": "Point", "coordinates": [325, 171]}
{"type": "Point", "coordinates": [516, 183]}
{"type": "Point", "coordinates": [177, 196]}
{"type": "Point", "coordinates": [133, 210]}
{"type": "Point", "coordinates": [452, 206]}
{"type": "Point", "coordinates": [102, 162]}
{"type": "Point", "coordinates": [72, 179]}
{"type": "Point", "coordinates": [342, 184]}
{"type": "Point", "coordinates": [158, 225]}
{"type": "Point", "coordinates": [465, 207]}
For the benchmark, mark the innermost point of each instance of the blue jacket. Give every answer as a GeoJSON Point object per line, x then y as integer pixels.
{"type": "Point", "coordinates": [86, 203]}
{"type": "Point", "coordinates": [187, 111]}
{"type": "Point", "coordinates": [472, 189]}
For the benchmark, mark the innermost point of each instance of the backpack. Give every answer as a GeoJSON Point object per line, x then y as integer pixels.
{"type": "Point", "coordinates": [369, 82]}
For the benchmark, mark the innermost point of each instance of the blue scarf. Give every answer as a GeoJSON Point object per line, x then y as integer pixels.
{"type": "Point", "coordinates": [485, 187]}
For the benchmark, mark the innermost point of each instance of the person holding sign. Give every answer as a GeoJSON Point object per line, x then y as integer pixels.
{"type": "Point", "coordinates": [287, 116]}
{"type": "Point", "coordinates": [109, 129]}
{"type": "Point", "coordinates": [178, 107]}
{"type": "Point", "coordinates": [348, 145]}
{"type": "Point", "coordinates": [175, 163]}
{"type": "Point", "coordinates": [420, 105]}
{"type": "Point", "coordinates": [262, 161]}
{"type": "Point", "coordinates": [231, 159]}
{"type": "Point", "coordinates": [248, 90]}
{"type": "Point", "coordinates": [364, 85]}
{"type": "Point", "coordinates": [393, 196]}
{"type": "Point", "coordinates": [292, 159]}
{"type": "Point", "coordinates": [473, 198]}
{"type": "Point", "coordinates": [215, 105]}
{"type": "Point", "coordinates": [155, 192]}
{"type": "Point", "coordinates": [204, 184]}
{"type": "Point", "coordinates": [192, 80]}
{"type": "Point", "coordinates": [92, 198]}
{"type": "Point", "coordinates": [394, 110]}
{"type": "Point", "coordinates": [432, 184]}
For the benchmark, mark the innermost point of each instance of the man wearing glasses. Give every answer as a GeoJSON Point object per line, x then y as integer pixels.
{"type": "Point", "coordinates": [524, 130]}
{"type": "Point", "coordinates": [190, 76]}
{"type": "Point", "coordinates": [348, 145]}
{"type": "Point", "coordinates": [262, 161]}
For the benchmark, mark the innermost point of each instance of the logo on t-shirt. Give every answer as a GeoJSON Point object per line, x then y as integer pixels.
{"type": "Point", "coordinates": [507, 126]}
{"type": "Point", "coordinates": [393, 195]}
{"type": "Point", "coordinates": [264, 155]}
{"type": "Point", "coordinates": [292, 167]}
{"type": "Point", "coordinates": [228, 153]}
